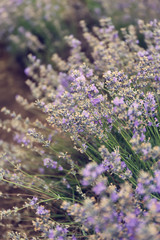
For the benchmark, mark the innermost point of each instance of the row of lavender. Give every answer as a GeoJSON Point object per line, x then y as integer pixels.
{"type": "Point", "coordinates": [38, 26]}
{"type": "Point", "coordinates": [88, 166]}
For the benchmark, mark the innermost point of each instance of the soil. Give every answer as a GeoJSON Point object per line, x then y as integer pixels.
{"type": "Point", "coordinates": [12, 82]}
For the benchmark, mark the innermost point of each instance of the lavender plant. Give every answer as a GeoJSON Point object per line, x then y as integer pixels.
{"type": "Point", "coordinates": [129, 11]}
{"type": "Point", "coordinates": [23, 31]}
{"type": "Point", "coordinates": [105, 183]}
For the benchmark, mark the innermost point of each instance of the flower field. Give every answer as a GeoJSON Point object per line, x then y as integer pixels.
{"type": "Point", "coordinates": [81, 154]}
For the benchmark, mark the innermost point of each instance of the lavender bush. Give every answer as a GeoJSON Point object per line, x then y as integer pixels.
{"type": "Point", "coordinates": [42, 33]}
{"type": "Point", "coordinates": [125, 12]}
{"type": "Point", "coordinates": [89, 166]}
{"type": "Point", "coordinates": [37, 26]}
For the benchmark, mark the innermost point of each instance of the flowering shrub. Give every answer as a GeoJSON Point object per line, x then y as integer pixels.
{"type": "Point", "coordinates": [37, 26]}
{"type": "Point", "coordinates": [23, 31]}
{"type": "Point", "coordinates": [125, 12]}
{"type": "Point", "coordinates": [105, 183]}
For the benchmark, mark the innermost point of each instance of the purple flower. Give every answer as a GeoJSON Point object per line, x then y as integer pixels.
{"type": "Point", "coordinates": [94, 88]}
{"type": "Point", "coordinates": [33, 201]}
{"type": "Point", "coordinates": [123, 165]}
{"type": "Point", "coordinates": [99, 188]}
{"type": "Point", "coordinates": [131, 222]}
{"type": "Point", "coordinates": [51, 234]}
{"type": "Point", "coordinates": [75, 43]}
{"type": "Point", "coordinates": [136, 123]}
{"type": "Point", "coordinates": [154, 205]}
{"type": "Point", "coordinates": [64, 120]}
{"type": "Point", "coordinates": [89, 73]}
{"type": "Point", "coordinates": [97, 100]}
{"type": "Point", "coordinates": [27, 71]}
{"type": "Point", "coordinates": [140, 188]}
{"type": "Point", "coordinates": [109, 120]}
{"type": "Point", "coordinates": [50, 163]}
{"type": "Point", "coordinates": [142, 138]}
{"type": "Point", "coordinates": [91, 173]}
{"type": "Point", "coordinates": [118, 101]}
{"type": "Point", "coordinates": [41, 210]}
{"type": "Point", "coordinates": [114, 196]}
{"type": "Point", "coordinates": [58, 233]}
{"type": "Point", "coordinates": [85, 113]}
{"type": "Point", "coordinates": [157, 180]}
{"type": "Point", "coordinates": [92, 169]}
{"type": "Point", "coordinates": [60, 168]}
